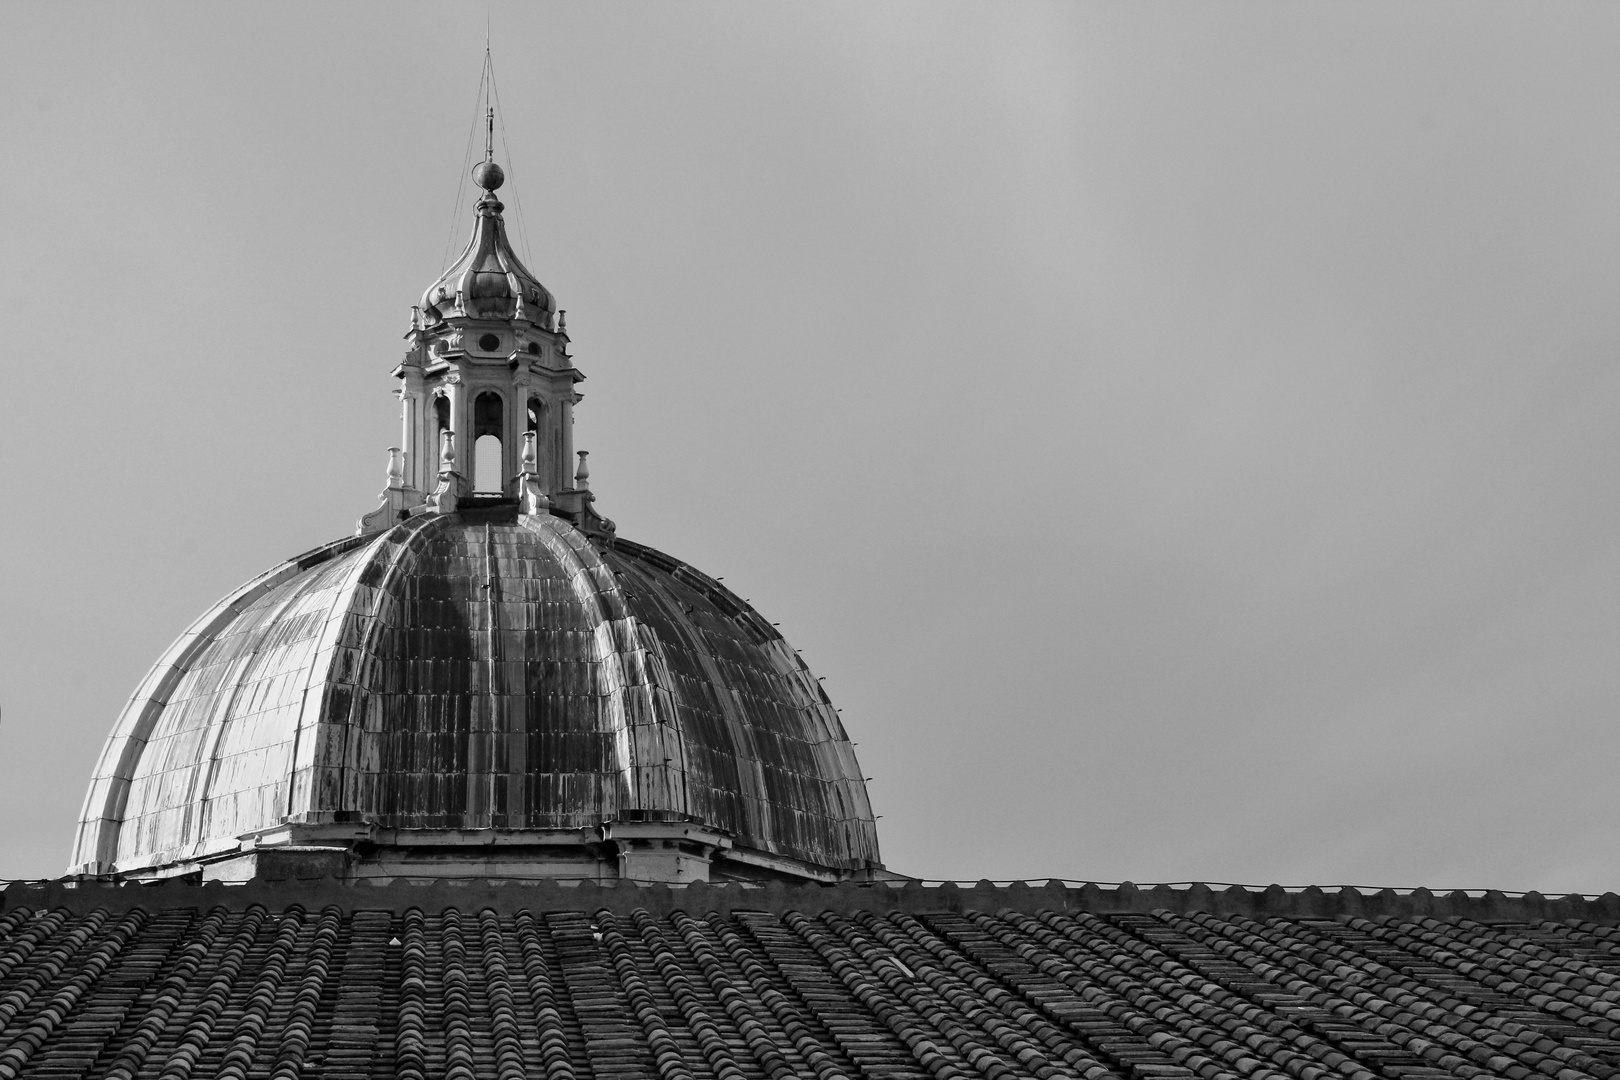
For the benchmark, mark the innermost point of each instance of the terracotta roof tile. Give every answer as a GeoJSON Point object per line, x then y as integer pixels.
{"type": "Point", "coordinates": [836, 984]}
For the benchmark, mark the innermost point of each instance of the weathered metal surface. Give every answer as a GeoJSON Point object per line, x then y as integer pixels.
{"type": "Point", "coordinates": [476, 671]}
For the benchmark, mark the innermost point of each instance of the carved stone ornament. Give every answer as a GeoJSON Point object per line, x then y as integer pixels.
{"type": "Point", "coordinates": [444, 498]}
{"type": "Point", "coordinates": [395, 498]}
{"type": "Point", "coordinates": [531, 496]}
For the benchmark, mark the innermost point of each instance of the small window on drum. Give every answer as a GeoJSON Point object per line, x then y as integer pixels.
{"type": "Point", "coordinates": [489, 342]}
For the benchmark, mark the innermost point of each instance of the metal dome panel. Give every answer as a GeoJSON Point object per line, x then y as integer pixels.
{"type": "Point", "coordinates": [478, 671]}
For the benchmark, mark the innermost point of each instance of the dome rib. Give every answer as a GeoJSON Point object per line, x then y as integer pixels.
{"type": "Point", "coordinates": [767, 750]}
{"type": "Point", "coordinates": [393, 555]}
{"type": "Point", "coordinates": [646, 732]}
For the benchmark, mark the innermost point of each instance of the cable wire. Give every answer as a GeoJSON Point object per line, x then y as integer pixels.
{"type": "Point", "coordinates": [480, 102]}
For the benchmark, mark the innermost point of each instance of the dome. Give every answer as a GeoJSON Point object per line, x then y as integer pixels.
{"type": "Point", "coordinates": [485, 674]}
{"type": "Point", "coordinates": [483, 683]}
{"type": "Point", "coordinates": [488, 281]}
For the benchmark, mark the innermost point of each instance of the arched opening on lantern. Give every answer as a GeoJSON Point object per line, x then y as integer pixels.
{"type": "Point", "coordinates": [441, 411]}
{"type": "Point", "coordinates": [489, 415]}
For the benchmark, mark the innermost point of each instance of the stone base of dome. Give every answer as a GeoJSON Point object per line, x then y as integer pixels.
{"type": "Point", "coordinates": [280, 864]}
{"type": "Point", "coordinates": [671, 852]}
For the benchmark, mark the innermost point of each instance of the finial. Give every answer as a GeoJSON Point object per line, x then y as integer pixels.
{"type": "Point", "coordinates": [447, 451]}
{"type": "Point", "coordinates": [488, 175]}
{"type": "Point", "coordinates": [530, 460]}
{"type": "Point", "coordinates": [562, 322]}
{"type": "Point", "coordinates": [582, 475]}
{"type": "Point", "coordinates": [396, 467]}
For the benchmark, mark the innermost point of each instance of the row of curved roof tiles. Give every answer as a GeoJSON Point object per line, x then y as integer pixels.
{"type": "Point", "coordinates": [1079, 883]}
{"type": "Point", "coordinates": [463, 993]}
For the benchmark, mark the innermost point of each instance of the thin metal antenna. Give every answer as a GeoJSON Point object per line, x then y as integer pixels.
{"type": "Point", "coordinates": [489, 95]}
{"type": "Point", "coordinates": [489, 107]}
{"type": "Point", "coordinates": [511, 165]}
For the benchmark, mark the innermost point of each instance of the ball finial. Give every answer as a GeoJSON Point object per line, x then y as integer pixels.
{"type": "Point", "coordinates": [488, 175]}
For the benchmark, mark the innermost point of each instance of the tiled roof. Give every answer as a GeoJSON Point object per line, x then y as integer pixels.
{"type": "Point", "coordinates": [732, 983]}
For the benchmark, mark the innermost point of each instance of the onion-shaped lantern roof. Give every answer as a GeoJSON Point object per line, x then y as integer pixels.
{"type": "Point", "coordinates": [488, 281]}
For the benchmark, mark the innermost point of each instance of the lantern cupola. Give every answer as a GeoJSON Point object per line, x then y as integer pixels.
{"type": "Point", "coordinates": [487, 386]}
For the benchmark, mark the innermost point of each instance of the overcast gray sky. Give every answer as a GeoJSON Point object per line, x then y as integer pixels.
{"type": "Point", "coordinates": [1184, 437]}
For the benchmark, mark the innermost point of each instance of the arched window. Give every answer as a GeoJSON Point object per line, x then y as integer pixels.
{"type": "Point", "coordinates": [488, 424]}
{"type": "Point", "coordinates": [441, 409]}
{"type": "Point", "coordinates": [489, 415]}
{"type": "Point", "coordinates": [487, 466]}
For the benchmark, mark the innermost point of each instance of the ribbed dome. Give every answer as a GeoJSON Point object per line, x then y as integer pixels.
{"type": "Point", "coordinates": [488, 281]}
{"type": "Point", "coordinates": [478, 670]}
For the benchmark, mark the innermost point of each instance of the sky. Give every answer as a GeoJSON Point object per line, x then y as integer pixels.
{"type": "Point", "coordinates": [1183, 437]}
